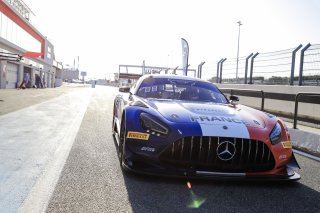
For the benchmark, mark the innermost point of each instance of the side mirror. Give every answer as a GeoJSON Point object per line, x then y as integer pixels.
{"type": "Point", "coordinates": [124, 89]}
{"type": "Point", "coordinates": [234, 99]}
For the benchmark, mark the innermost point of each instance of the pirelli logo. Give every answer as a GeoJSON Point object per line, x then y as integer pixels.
{"type": "Point", "coordinates": [138, 135]}
{"type": "Point", "coordinates": [286, 144]}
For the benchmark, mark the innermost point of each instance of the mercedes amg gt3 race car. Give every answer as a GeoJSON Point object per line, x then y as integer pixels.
{"type": "Point", "coordinates": [182, 126]}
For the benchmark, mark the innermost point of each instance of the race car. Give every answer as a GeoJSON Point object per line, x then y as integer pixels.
{"type": "Point", "coordinates": [174, 125]}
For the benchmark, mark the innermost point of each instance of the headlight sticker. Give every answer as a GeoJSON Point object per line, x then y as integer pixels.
{"type": "Point", "coordinates": [286, 144]}
{"type": "Point", "coordinates": [138, 135]}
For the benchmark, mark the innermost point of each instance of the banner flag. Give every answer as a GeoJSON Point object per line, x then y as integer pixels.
{"type": "Point", "coordinates": [185, 56]}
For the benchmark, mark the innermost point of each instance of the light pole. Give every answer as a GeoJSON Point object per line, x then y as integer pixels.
{"type": "Point", "coordinates": [239, 22]}
{"type": "Point", "coordinates": [200, 69]}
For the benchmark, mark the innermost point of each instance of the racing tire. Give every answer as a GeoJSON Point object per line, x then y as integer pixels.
{"type": "Point", "coordinates": [113, 124]}
{"type": "Point", "coordinates": [122, 144]}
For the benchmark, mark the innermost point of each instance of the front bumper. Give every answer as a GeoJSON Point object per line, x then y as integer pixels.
{"type": "Point", "coordinates": [154, 168]}
{"type": "Point", "coordinates": [150, 163]}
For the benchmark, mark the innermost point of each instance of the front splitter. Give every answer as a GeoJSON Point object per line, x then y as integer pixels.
{"type": "Point", "coordinates": [212, 175]}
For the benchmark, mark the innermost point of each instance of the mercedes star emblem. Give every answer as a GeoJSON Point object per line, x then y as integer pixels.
{"type": "Point", "coordinates": [226, 150]}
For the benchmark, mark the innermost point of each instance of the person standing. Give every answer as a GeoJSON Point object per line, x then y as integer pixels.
{"type": "Point", "coordinates": [43, 80]}
{"type": "Point", "coordinates": [25, 81]}
{"type": "Point", "coordinates": [38, 81]}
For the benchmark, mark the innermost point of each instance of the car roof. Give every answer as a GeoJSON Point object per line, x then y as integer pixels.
{"type": "Point", "coordinates": [168, 76]}
{"type": "Point", "coordinates": [171, 76]}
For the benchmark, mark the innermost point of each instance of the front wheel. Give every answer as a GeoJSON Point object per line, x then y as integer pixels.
{"type": "Point", "coordinates": [113, 119]}
{"type": "Point", "coordinates": [122, 144]}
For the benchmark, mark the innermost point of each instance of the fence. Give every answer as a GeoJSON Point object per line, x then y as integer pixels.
{"type": "Point", "coordinates": [278, 67]}
{"type": "Point", "coordinates": [311, 66]}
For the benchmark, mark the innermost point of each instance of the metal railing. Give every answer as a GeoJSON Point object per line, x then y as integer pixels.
{"type": "Point", "coordinates": [276, 96]}
{"type": "Point", "coordinates": [245, 92]}
{"type": "Point", "coordinates": [296, 105]}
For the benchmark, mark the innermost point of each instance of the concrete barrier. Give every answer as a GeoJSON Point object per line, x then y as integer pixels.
{"type": "Point", "coordinates": [306, 141]}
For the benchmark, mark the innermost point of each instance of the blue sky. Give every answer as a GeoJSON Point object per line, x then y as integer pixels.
{"type": "Point", "coordinates": [108, 33]}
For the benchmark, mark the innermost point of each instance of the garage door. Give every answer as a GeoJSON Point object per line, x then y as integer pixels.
{"type": "Point", "coordinates": [12, 75]}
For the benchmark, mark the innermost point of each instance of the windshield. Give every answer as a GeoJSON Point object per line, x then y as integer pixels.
{"type": "Point", "coordinates": [176, 89]}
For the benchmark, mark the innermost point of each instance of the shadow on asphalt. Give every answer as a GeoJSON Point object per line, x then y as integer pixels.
{"type": "Point", "coordinates": [165, 194]}
{"type": "Point", "coordinates": [152, 194]}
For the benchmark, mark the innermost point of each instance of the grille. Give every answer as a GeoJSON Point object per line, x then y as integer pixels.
{"type": "Point", "coordinates": [201, 153]}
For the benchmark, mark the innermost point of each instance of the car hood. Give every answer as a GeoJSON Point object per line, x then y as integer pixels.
{"type": "Point", "coordinates": [207, 113]}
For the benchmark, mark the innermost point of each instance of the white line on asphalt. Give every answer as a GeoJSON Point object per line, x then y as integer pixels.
{"type": "Point", "coordinates": [35, 143]}
{"type": "Point", "coordinates": [306, 155]}
{"type": "Point", "coordinates": [38, 198]}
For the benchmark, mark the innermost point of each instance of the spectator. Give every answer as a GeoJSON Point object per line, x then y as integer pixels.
{"type": "Point", "coordinates": [25, 81]}
{"type": "Point", "coordinates": [38, 81]}
{"type": "Point", "coordinates": [43, 80]}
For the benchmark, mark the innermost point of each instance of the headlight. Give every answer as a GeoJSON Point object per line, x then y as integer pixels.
{"type": "Point", "coordinates": [275, 135]}
{"type": "Point", "coordinates": [153, 125]}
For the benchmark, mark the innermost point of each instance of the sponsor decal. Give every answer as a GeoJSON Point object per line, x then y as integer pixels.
{"type": "Point", "coordinates": [138, 135]}
{"type": "Point", "coordinates": [286, 144]}
{"type": "Point", "coordinates": [238, 129]}
{"type": "Point", "coordinates": [217, 119]}
{"type": "Point", "coordinates": [209, 110]}
{"type": "Point", "coordinates": [148, 149]}
{"type": "Point", "coordinates": [282, 157]}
